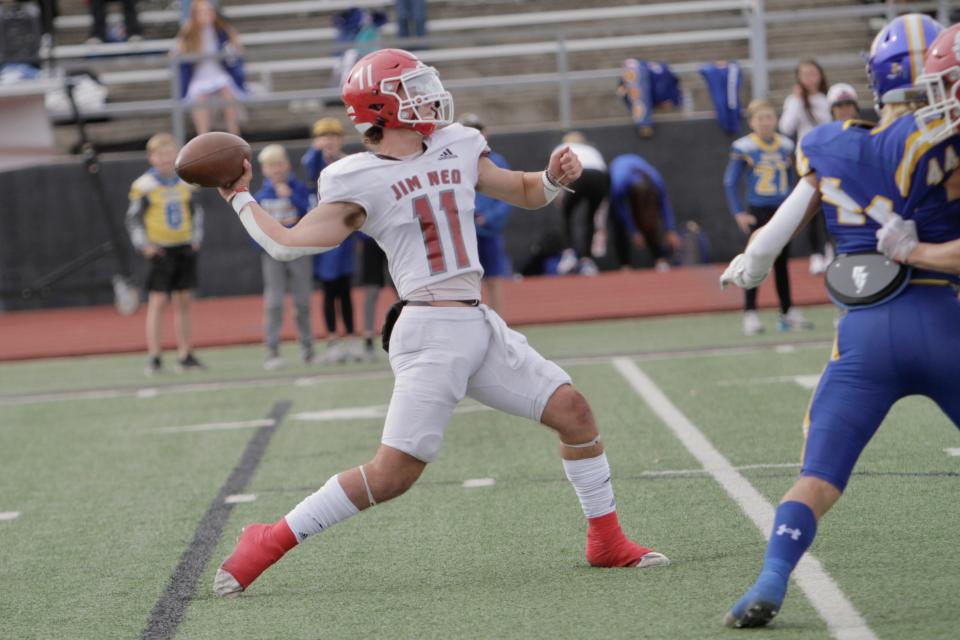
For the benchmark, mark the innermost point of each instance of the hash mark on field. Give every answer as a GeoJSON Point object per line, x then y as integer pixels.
{"type": "Point", "coordinates": [686, 472]}
{"type": "Point", "coordinates": [218, 426]}
{"type": "Point", "coordinates": [807, 381]}
{"type": "Point", "coordinates": [478, 482]}
{"type": "Point", "coordinates": [953, 451]}
{"type": "Point", "coordinates": [785, 348]}
{"type": "Point", "coordinates": [151, 392]}
{"type": "Point", "coordinates": [237, 498]}
{"type": "Point", "coordinates": [843, 620]}
{"type": "Point", "coordinates": [9, 515]}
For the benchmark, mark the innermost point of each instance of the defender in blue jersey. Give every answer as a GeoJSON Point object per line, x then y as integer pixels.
{"type": "Point", "coordinates": [900, 340]}
{"type": "Point", "coordinates": [765, 159]}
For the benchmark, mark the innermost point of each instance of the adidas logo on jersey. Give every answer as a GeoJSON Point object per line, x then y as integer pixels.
{"type": "Point", "coordinates": [446, 154]}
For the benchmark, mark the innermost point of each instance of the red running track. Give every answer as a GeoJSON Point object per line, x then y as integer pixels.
{"type": "Point", "coordinates": [239, 320]}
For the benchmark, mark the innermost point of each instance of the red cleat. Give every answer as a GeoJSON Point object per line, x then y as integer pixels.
{"type": "Point", "coordinates": [607, 546]}
{"type": "Point", "coordinates": [258, 547]}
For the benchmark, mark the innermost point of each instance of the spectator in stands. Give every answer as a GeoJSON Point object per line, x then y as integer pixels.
{"type": "Point", "coordinates": [843, 102]}
{"type": "Point", "coordinates": [641, 210]}
{"type": "Point", "coordinates": [286, 199]}
{"type": "Point", "coordinates": [766, 158]}
{"type": "Point", "coordinates": [219, 73]}
{"type": "Point", "coordinates": [803, 110]}
{"type": "Point", "coordinates": [166, 225]}
{"type": "Point", "coordinates": [590, 189]}
{"type": "Point", "coordinates": [490, 216]}
{"type": "Point", "coordinates": [131, 24]}
{"type": "Point", "coordinates": [411, 18]}
{"type": "Point", "coordinates": [185, 9]}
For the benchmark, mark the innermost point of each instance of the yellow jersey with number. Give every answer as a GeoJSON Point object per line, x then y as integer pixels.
{"type": "Point", "coordinates": [162, 212]}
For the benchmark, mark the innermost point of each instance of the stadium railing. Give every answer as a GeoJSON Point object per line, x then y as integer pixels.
{"type": "Point", "coordinates": [751, 14]}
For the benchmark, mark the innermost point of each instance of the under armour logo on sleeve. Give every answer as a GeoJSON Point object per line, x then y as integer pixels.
{"type": "Point", "coordinates": [785, 530]}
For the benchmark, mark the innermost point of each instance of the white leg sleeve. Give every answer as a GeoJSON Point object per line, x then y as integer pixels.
{"type": "Point", "coordinates": [325, 508]}
{"type": "Point", "coordinates": [591, 480]}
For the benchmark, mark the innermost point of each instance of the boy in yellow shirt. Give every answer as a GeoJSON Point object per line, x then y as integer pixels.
{"type": "Point", "coordinates": [166, 226]}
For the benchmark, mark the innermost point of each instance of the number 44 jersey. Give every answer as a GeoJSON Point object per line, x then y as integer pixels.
{"type": "Point", "coordinates": [867, 172]}
{"type": "Point", "coordinates": [419, 210]}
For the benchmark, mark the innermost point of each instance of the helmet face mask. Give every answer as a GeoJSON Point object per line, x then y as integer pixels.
{"type": "Point", "coordinates": [940, 119]}
{"type": "Point", "coordinates": [420, 96]}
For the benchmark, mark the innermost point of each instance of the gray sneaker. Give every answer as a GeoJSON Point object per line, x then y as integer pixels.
{"type": "Point", "coordinates": [334, 354]}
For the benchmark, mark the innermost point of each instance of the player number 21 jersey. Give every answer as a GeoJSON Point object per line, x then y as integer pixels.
{"type": "Point", "coordinates": [420, 211]}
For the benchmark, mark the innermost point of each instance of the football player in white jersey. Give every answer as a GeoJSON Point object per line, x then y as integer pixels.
{"type": "Point", "coordinates": [413, 192]}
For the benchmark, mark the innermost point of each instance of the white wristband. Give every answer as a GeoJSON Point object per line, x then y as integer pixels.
{"type": "Point", "coordinates": [550, 191]}
{"type": "Point", "coordinates": [240, 200]}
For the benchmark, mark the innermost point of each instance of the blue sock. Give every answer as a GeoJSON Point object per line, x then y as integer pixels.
{"type": "Point", "coordinates": [794, 528]}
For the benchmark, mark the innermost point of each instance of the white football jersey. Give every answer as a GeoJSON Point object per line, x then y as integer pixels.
{"type": "Point", "coordinates": [420, 211]}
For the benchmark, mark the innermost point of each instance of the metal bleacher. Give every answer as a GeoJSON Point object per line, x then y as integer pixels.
{"type": "Point", "coordinates": [522, 63]}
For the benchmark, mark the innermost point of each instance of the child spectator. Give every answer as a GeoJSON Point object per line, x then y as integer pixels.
{"type": "Point", "coordinates": [286, 199]}
{"type": "Point", "coordinates": [591, 190]}
{"type": "Point", "coordinates": [642, 210]}
{"type": "Point", "coordinates": [766, 158]}
{"type": "Point", "coordinates": [843, 102]}
{"type": "Point", "coordinates": [325, 148]}
{"type": "Point", "coordinates": [219, 73]}
{"type": "Point", "coordinates": [166, 226]}
{"type": "Point", "coordinates": [490, 216]}
{"type": "Point", "coordinates": [803, 110]}
{"type": "Point", "coordinates": [334, 268]}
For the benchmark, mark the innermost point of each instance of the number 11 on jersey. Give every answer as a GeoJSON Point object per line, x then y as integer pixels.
{"type": "Point", "coordinates": [423, 210]}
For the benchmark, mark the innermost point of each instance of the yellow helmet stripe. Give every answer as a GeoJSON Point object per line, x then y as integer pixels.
{"type": "Point", "coordinates": [916, 43]}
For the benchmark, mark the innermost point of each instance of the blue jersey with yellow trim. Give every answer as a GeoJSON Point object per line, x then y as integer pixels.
{"type": "Point", "coordinates": [910, 344]}
{"type": "Point", "coordinates": [862, 169]}
{"type": "Point", "coordinates": [767, 167]}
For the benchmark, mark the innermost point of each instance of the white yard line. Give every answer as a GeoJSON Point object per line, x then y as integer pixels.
{"type": "Point", "coordinates": [237, 498]}
{"type": "Point", "coordinates": [842, 618]}
{"type": "Point", "coordinates": [953, 451]}
{"type": "Point", "coordinates": [375, 374]}
{"type": "Point", "coordinates": [9, 515]}
{"type": "Point", "coordinates": [373, 412]}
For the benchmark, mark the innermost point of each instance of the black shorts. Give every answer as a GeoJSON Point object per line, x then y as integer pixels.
{"type": "Point", "coordinates": [173, 270]}
{"type": "Point", "coordinates": [374, 266]}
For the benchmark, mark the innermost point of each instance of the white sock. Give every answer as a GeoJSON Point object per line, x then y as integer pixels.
{"type": "Point", "coordinates": [591, 480]}
{"type": "Point", "coordinates": [321, 510]}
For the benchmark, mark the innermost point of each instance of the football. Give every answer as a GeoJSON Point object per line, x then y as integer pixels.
{"type": "Point", "coordinates": [213, 159]}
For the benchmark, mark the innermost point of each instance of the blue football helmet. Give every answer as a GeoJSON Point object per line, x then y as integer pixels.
{"type": "Point", "coordinates": [896, 57]}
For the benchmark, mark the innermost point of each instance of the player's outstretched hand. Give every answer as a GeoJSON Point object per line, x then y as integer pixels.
{"type": "Point", "coordinates": [897, 238]}
{"type": "Point", "coordinates": [242, 183]}
{"type": "Point", "coordinates": [564, 166]}
{"type": "Point", "coordinates": [736, 274]}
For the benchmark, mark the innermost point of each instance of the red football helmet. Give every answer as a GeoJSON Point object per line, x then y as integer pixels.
{"type": "Point", "coordinates": [940, 119]}
{"type": "Point", "coordinates": [392, 88]}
